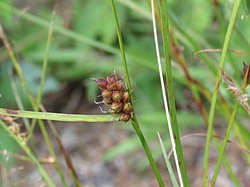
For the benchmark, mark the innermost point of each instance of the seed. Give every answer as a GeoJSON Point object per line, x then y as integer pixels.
{"type": "Point", "coordinates": [125, 97]}
{"type": "Point", "coordinates": [107, 102]}
{"type": "Point", "coordinates": [120, 85]}
{"type": "Point", "coordinates": [112, 78]}
{"type": "Point", "coordinates": [127, 108]}
{"type": "Point", "coordinates": [117, 96]}
{"type": "Point", "coordinates": [125, 117]}
{"type": "Point", "coordinates": [106, 94]}
{"type": "Point", "coordinates": [111, 86]}
{"type": "Point", "coordinates": [101, 83]}
{"type": "Point", "coordinates": [116, 107]}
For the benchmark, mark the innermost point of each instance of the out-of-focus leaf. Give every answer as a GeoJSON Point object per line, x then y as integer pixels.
{"type": "Point", "coordinates": [91, 90]}
{"type": "Point", "coordinates": [247, 4]}
{"type": "Point", "coordinates": [5, 16]}
{"type": "Point", "coordinates": [7, 145]}
{"type": "Point", "coordinates": [32, 74]}
{"type": "Point", "coordinates": [7, 98]}
{"type": "Point", "coordinates": [125, 147]}
{"type": "Point", "coordinates": [94, 19]}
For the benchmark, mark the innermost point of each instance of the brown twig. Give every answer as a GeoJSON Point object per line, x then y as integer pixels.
{"type": "Point", "coordinates": [238, 146]}
{"type": "Point", "coordinates": [220, 50]}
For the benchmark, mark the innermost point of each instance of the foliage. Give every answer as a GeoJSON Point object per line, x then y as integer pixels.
{"type": "Point", "coordinates": [84, 45]}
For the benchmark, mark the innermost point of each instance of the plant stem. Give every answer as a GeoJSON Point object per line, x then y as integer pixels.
{"type": "Point", "coordinates": [181, 168]}
{"type": "Point", "coordinates": [134, 119]}
{"type": "Point", "coordinates": [224, 144]}
{"type": "Point", "coordinates": [216, 89]}
{"type": "Point", "coordinates": [59, 116]}
{"type": "Point", "coordinates": [168, 164]}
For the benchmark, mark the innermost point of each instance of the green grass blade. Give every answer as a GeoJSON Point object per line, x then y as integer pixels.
{"type": "Point", "coordinates": [168, 164]}
{"type": "Point", "coordinates": [134, 119]}
{"type": "Point", "coordinates": [216, 88]}
{"type": "Point", "coordinates": [46, 61]}
{"type": "Point", "coordinates": [170, 93]}
{"type": "Point", "coordinates": [224, 144]}
{"type": "Point", "coordinates": [19, 101]}
{"type": "Point", "coordinates": [39, 101]}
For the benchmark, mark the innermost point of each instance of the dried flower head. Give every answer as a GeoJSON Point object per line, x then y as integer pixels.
{"type": "Point", "coordinates": [241, 97]}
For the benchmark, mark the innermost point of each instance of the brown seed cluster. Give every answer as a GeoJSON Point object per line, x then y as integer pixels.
{"type": "Point", "coordinates": [116, 96]}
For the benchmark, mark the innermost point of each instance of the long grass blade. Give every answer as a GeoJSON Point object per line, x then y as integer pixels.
{"type": "Point", "coordinates": [168, 164]}
{"type": "Point", "coordinates": [224, 144]}
{"type": "Point", "coordinates": [181, 168]}
{"type": "Point", "coordinates": [134, 119]}
{"type": "Point", "coordinates": [164, 93]}
{"type": "Point", "coordinates": [216, 89]}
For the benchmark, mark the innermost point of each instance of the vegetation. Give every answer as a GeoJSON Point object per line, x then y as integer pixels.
{"type": "Point", "coordinates": [48, 48]}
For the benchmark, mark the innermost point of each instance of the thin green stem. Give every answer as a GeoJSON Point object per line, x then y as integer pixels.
{"type": "Point", "coordinates": [224, 144]}
{"type": "Point", "coordinates": [168, 164]}
{"type": "Point", "coordinates": [170, 92]}
{"type": "Point", "coordinates": [59, 116]}
{"type": "Point", "coordinates": [45, 62]}
{"type": "Point", "coordinates": [31, 156]}
{"type": "Point", "coordinates": [148, 152]}
{"type": "Point", "coordinates": [18, 100]}
{"type": "Point", "coordinates": [43, 74]}
{"type": "Point", "coordinates": [216, 89]}
{"type": "Point", "coordinates": [134, 119]}
{"type": "Point", "coordinates": [119, 35]}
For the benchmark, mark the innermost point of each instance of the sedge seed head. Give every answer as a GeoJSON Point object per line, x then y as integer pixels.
{"type": "Point", "coordinates": [106, 94]}
{"type": "Point", "coordinates": [101, 83]}
{"type": "Point", "coordinates": [127, 108]}
{"type": "Point", "coordinates": [112, 78]}
{"type": "Point", "coordinates": [120, 85]}
{"type": "Point", "coordinates": [107, 102]}
{"type": "Point", "coordinates": [116, 107]}
{"type": "Point", "coordinates": [125, 97]}
{"type": "Point", "coordinates": [111, 86]}
{"type": "Point", "coordinates": [117, 96]}
{"type": "Point", "coordinates": [125, 117]}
